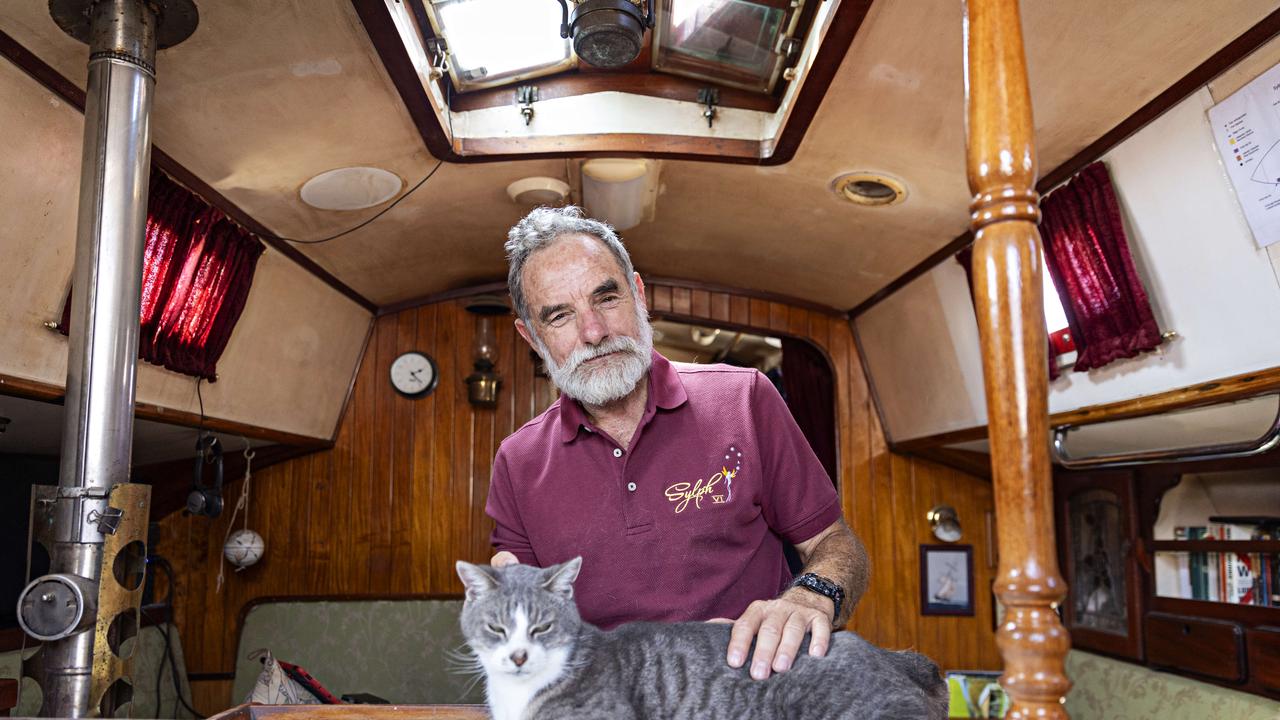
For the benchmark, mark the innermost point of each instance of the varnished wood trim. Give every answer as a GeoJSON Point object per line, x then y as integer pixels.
{"type": "Point", "coordinates": [1009, 307]}
{"type": "Point", "coordinates": [56, 83]}
{"type": "Point", "coordinates": [646, 83]}
{"type": "Point", "coordinates": [500, 287]}
{"type": "Point", "coordinates": [743, 292]}
{"type": "Point", "coordinates": [966, 461]}
{"type": "Point", "coordinates": [871, 386]}
{"type": "Point", "coordinates": [351, 385]}
{"type": "Point", "coordinates": [36, 390]}
{"type": "Point", "coordinates": [377, 22]}
{"type": "Point", "coordinates": [612, 144]}
{"type": "Point", "coordinates": [497, 286]}
{"type": "Point", "coordinates": [1234, 52]}
{"type": "Point", "coordinates": [1229, 389]}
{"type": "Point", "coordinates": [354, 712]}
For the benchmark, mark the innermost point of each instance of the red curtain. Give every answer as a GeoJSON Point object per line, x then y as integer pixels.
{"type": "Point", "coordinates": [810, 394]}
{"type": "Point", "coordinates": [1087, 255]}
{"type": "Point", "coordinates": [197, 269]}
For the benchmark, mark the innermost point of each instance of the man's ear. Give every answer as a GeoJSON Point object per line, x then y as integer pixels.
{"type": "Point", "coordinates": [640, 296]}
{"type": "Point", "coordinates": [524, 333]}
{"type": "Point", "coordinates": [559, 578]}
{"type": "Point", "coordinates": [477, 579]}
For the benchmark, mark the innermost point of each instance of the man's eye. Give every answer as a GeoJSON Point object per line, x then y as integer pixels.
{"type": "Point", "coordinates": [558, 319]}
{"type": "Point", "coordinates": [609, 300]}
{"type": "Point", "coordinates": [497, 630]}
{"type": "Point", "coordinates": [539, 629]}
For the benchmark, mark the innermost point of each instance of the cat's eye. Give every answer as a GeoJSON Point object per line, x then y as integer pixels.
{"type": "Point", "coordinates": [537, 630]}
{"type": "Point", "coordinates": [497, 630]}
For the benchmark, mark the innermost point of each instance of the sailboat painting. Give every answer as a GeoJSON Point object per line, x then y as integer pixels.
{"type": "Point", "coordinates": [946, 580]}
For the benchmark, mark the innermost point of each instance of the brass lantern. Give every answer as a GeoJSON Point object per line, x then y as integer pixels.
{"type": "Point", "coordinates": [483, 384]}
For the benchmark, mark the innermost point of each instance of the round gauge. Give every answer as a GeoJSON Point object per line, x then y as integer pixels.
{"type": "Point", "coordinates": [414, 374]}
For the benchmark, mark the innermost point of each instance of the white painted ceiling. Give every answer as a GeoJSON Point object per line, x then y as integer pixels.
{"type": "Point", "coordinates": [266, 95]}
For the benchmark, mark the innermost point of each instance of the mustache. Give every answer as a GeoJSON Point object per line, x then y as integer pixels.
{"type": "Point", "coordinates": [618, 343]}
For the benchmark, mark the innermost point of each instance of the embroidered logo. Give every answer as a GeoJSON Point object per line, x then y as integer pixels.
{"type": "Point", "coordinates": [718, 487]}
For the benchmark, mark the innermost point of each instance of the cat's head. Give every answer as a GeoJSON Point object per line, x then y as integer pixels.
{"type": "Point", "coordinates": [520, 620]}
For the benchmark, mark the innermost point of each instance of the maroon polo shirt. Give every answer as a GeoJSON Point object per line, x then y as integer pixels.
{"type": "Point", "coordinates": [687, 523]}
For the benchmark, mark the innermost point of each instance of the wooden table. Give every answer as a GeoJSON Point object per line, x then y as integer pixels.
{"type": "Point", "coordinates": [354, 712]}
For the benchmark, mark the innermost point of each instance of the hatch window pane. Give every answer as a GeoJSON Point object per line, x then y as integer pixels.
{"type": "Point", "coordinates": [494, 41]}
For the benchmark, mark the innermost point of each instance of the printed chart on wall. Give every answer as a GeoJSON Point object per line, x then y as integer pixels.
{"type": "Point", "coordinates": [1246, 128]}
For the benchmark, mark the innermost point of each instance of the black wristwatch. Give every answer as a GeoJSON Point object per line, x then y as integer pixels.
{"type": "Point", "coordinates": [822, 586]}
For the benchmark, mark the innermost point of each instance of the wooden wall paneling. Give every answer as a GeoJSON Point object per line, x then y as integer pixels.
{"type": "Point", "coordinates": [700, 303]}
{"type": "Point", "coordinates": [720, 306]}
{"type": "Point", "coordinates": [421, 558]}
{"type": "Point", "coordinates": [446, 417]}
{"type": "Point", "coordinates": [681, 301]}
{"type": "Point", "coordinates": [759, 313]}
{"type": "Point", "coordinates": [740, 310]}
{"type": "Point", "coordinates": [463, 441]}
{"type": "Point", "coordinates": [659, 298]}
{"type": "Point", "coordinates": [360, 472]}
{"type": "Point", "coordinates": [401, 501]}
{"type": "Point", "coordinates": [381, 456]}
{"type": "Point", "coordinates": [778, 316]}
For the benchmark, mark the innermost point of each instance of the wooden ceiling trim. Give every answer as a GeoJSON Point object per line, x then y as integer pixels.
{"type": "Point", "coordinates": [666, 283]}
{"type": "Point", "coordinates": [46, 392]}
{"type": "Point", "coordinates": [378, 23]}
{"type": "Point", "coordinates": [613, 145]}
{"type": "Point", "coordinates": [55, 82]}
{"type": "Point", "coordinates": [1235, 51]}
{"type": "Point", "coordinates": [571, 83]}
{"type": "Point", "coordinates": [1229, 389]}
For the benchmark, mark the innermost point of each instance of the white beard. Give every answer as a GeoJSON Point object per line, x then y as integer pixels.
{"type": "Point", "coordinates": [609, 380]}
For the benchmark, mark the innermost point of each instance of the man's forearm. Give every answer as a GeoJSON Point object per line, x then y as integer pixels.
{"type": "Point", "coordinates": [839, 556]}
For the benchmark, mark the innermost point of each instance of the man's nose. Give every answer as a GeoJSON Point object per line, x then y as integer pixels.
{"type": "Point", "coordinates": [592, 328]}
{"type": "Point", "coordinates": [519, 657]}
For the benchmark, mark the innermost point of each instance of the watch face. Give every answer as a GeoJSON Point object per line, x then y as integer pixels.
{"type": "Point", "coordinates": [413, 374]}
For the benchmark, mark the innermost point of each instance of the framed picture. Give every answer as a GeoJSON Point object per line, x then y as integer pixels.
{"type": "Point", "coordinates": [946, 580]}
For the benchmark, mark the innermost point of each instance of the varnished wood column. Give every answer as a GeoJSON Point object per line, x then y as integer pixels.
{"type": "Point", "coordinates": [1007, 290]}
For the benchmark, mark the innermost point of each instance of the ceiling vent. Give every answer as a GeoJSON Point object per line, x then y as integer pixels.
{"type": "Point", "coordinates": [872, 189]}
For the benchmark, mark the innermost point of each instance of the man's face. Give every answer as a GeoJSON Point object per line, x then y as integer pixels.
{"type": "Point", "coordinates": [589, 328]}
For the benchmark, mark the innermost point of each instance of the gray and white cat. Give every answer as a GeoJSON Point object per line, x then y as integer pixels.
{"type": "Point", "coordinates": [542, 661]}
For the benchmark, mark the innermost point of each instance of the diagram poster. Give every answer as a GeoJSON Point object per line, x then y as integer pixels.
{"type": "Point", "coordinates": [1246, 128]}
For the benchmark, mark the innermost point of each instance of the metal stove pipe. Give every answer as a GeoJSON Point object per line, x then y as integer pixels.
{"type": "Point", "coordinates": [102, 362]}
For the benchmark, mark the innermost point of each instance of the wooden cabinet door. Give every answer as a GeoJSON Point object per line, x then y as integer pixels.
{"type": "Point", "coordinates": [1098, 551]}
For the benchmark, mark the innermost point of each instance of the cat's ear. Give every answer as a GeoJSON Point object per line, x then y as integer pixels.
{"type": "Point", "coordinates": [477, 579]}
{"type": "Point", "coordinates": [559, 578]}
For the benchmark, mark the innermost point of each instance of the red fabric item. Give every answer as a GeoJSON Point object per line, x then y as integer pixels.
{"type": "Point", "coordinates": [810, 389]}
{"type": "Point", "coordinates": [1087, 255]}
{"type": "Point", "coordinates": [197, 269]}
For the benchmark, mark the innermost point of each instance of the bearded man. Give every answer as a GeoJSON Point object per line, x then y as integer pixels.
{"type": "Point", "coordinates": [678, 484]}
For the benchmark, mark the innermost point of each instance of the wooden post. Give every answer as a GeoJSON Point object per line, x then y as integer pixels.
{"type": "Point", "coordinates": [1008, 297]}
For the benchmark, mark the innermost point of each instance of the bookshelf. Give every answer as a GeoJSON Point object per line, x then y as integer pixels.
{"type": "Point", "coordinates": [1145, 533]}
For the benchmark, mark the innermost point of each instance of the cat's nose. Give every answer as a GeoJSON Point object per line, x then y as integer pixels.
{"type": "Point", "coordinates": [519, 657]}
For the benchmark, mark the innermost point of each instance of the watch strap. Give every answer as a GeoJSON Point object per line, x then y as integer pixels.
{"type": "Point", "coordinates": [822, 586]}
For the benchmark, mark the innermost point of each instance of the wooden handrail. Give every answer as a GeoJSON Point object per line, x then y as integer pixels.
{"type": "Point", "coordinates": [1007, 293]}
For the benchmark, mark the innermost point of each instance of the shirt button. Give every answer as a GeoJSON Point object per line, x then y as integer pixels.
{"type": "Point", "coordinates": [631, 486]}
{"type": "Point", "coordinates": [617, 452]}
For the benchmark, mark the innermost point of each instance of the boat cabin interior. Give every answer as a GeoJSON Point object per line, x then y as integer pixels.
{"type": "Point", "coordinates": [1013, 267]}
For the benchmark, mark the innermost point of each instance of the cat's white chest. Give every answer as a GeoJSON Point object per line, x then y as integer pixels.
{"type": "Point", "coordinates": [510, 696]}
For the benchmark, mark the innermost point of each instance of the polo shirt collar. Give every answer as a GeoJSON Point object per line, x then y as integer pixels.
{"type": "Point", "coordinates": [666, 391]}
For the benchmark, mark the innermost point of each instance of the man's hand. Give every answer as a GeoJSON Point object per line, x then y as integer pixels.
{"type": "Point", "coordinates": [503, 559]}
{"type": "Point", "coordinates": [779, 626]}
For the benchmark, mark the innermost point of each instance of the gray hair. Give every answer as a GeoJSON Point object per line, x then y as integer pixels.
{"type": "Point", "coordinates": [540, 229]}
